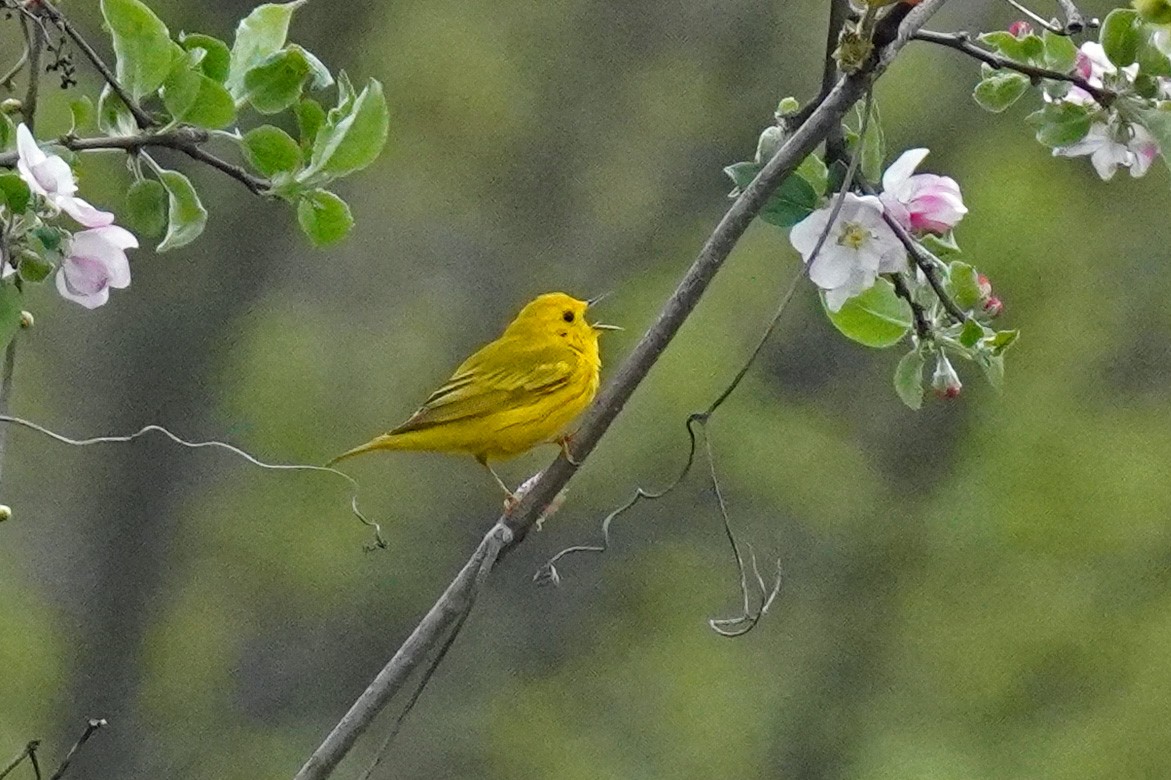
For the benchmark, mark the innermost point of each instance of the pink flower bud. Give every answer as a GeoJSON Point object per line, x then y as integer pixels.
{"type": "Point", "coordinates": [1020, 29]}
{"type": "Point", "coordinates": [994, 306]}
{"type": "Point", "coordinates": [985, 286]}
{"type": "Point", "coordinates": [945, 382]}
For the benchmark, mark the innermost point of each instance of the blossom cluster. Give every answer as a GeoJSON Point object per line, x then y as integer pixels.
{"type": "Point", "coordinates": [94, 259]}
{"type": "Point", "coordinates": [861, 244]}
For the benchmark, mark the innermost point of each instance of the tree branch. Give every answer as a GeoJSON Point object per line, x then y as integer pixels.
{"type": "Point", "coordinates": [512, 528]}
{"type": "Point", "coordinates": [922, 328]}
{"type": "Point", "coordinates": [29, 752]}
{"type": "Point", "coordinates": [1074, 21]}
{"type": "Point", "coordinates": [839, 12]}
{"type": "Point", "coordinates": [143, 119]}
{"type": "Point", "coordinates": [92, 726]}
{"type": "Point", "coordinates": [962, 42]}
{"type": "Point", "coordinates": [184, 139]}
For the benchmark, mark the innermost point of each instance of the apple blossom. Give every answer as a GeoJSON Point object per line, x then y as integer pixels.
{"type": "Point", "coordinates": [922, 202]}
{"type": "Point", "coordinates": [1130, 146]}
{"type": "Point", "coordinates": [94, 262]}
{"type": "Point", "coordinates": [50, 177]}
{"type": "Point", "coordinates": [1094, 66]}
{"type": "Point", "coordinates": [1020, 29]}
{"type": "Point", "coordinates": [858, 247]}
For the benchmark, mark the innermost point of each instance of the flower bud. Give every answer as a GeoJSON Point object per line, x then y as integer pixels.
{"type": "Point", "coordinates": [11, 106]}
{"type": "Point", "coordinates": [5, 512]}
{"type": "Point", "coordinates": [1020, 29]}
{"type": "Point", "coordinates": [770, 140]}
{"type": "Point", "coordinates": [26, 319]}
{"type": "Point", "coordinates": [787, 106]}
{"type": "Point", "coordinates": [1154, 11]}
{"type": "Point", "coordinates": [945, 382]}
{"type": "Point", "coordinates": [994, 306]}
{"type": "Point", "coordinates": [985, 286]}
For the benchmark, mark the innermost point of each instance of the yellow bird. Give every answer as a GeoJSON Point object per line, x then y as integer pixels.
{"type": "Point", "coordinates": [521, 390]}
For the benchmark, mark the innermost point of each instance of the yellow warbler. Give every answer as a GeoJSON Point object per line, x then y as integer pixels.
{"type": "Point", "coordinates": [521, 390]}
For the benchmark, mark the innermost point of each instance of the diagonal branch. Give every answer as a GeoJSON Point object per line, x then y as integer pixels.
{"type": "Point", "coordinates": [51, 13]}
{"type": "Point", "coordinates": [460, 594]}
{"type": "Point", "coordinates": [962, 42]}
{"type": "Point", "coordinates": [90, 727]}
{"type": "Point", "coordinates": [29, 752]}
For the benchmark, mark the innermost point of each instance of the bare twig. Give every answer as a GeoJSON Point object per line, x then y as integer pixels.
{"type": "Point", "coordinates": [187, 140]}
{"type": "Point", "coordinates": [459, 595]}
{"type": "Point", "coordinates": [922, 327]}
{"type": "Point", "coordinates": [839, 12]}
{"type": "Point", "coordinates": [7, 79]}
{"type": "Point", "coordinates": [34, 38]}
{"type": "Point", "coordinates": [141, 117]}
{"type": "Point", "coordinates": [379, 542]}
{"type": "Point", "coordinates": [962, 42]}
{"type": "Point", "coordinates": [928, 264]}
{"type": "Point", "coordinates": [1074, 21]}
{"type": "Point", "coordinates": [92, 726]}
{"type": "Point", "coordinates": [29, 752]}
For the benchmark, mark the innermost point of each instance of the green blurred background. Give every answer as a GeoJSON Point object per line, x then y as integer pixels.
{"type": "Point", "coordinates": [976, 590]}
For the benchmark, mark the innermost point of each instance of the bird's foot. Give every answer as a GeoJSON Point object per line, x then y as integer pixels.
{"type": "Point", "coordinates": [565, 441]}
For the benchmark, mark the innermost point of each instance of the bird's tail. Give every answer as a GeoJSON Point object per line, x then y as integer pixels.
{"type": "Point", "coordinates": [383, 442]}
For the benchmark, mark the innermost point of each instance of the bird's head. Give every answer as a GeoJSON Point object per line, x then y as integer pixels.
{"type": "Point", "coordinates": [561, 316]}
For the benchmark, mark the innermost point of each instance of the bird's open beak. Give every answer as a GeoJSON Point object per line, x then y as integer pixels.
{"type": "Point", "coordinates": [598, 298]}
{"type": "Point", "coordinates": [599, 325]}
{"type": "Point", "coordinates": [603, 326]}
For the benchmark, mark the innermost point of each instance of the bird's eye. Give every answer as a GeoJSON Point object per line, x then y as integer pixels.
{"type": "Point", "coordinates": [567, 316]}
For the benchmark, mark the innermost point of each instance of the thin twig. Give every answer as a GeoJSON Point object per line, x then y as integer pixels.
{"type": "Point", "coordinates": [379, 542]}
{"type": "Point", "coordinates": [34, 38]}
{"type": "Point", "coordinates": [962, 42]}
{"type": "Point", "coordinates": [1074, 21]}
{"type": "Point", "coordinates": [918, 313]}
{"type": "Point", "coordinates": [839, 12]}
{"type": "Point", "coordinates": [29, 752]}
{"type": "Point", "coordinates": [7, 79]}
{"type": "Point", "coordinates": [141, 117]}
{"type": "Point", "coordinates": [432, 630]}
{"type": "Point", "coordinates": [1048, 24]}
{"type": "Point", "coordinates": [183, 139]}
{"type": "Point", "coordinates": [90, 728]}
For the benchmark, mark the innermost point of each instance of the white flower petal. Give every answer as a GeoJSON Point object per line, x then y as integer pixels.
{"type": "Point", "coordinates": [832, 267]}
{"type": "Point", "coordinates": [84, 213]}
{"type": "Point", "coordinates": [901, 169]}
{"type": "Point", "coordinates": [89, 301]}
{"type": "Point", "coordinates": [26, 146]}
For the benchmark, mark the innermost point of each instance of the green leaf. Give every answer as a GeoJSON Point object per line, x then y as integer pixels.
{"type": "Point", "coordinates": [186, 216]}
{"type": "Point", "coordinates": [114, 118]}
{"type": "Point", "coordinates": [1120, 36]}
{"type": "Point", "coordinates": [1000, 90]}
{"type": "Point", "coordinates": [877, 318]}
{"type": "Point", "coordinates": [81, 111]}
{"type": "Point", "coordinates": [964, 285]}
{"type": "Point", "coordinates": [1060, 52]}
{"type": "Point", "coordinates": [324, 217]}
{"type": "Point", "coordinates": [277, 82]}
{"type": "Point", "coordinates": [941, 246]}
{"type": "Point", "coordinates": [49, 237]}
{"type": "Point", "coordinates": [192, 97]}
{"type": "Point", "coordinates": [873, 149]}
{"type": "Point", "coordinates": [812, 169]}
{"type": "Point", "coordinates": [353, 134]}
{"type": "Point", "coordinates": [216, 59]}
{"type": "Point", "coordinates": [34, 268]}
{"type": "Point", "coordinates": [1151, 61]}
{"type": "Point", "coordinates": [1002, 341]}
{"type": "Point", "coordinates": [1024, 49]}
{"type": "Point", "coordinates": [792, 202]}
{"type": "Point", "coordinates": [741, 174]}
{"type": "Point", "coordinates": [260, 34]}
{"type": "Point", "coordinates": [271, 150]}
{"type": "Point", "coordinates": [14, 193]}
{"type": "Point", "coordinates": [909, 379]}
{"type": "Point", "coordinates": [7, 132]}
{"type": "Point", "coordinates": [146, 208]}
{"type": "Point", "coordinates": [10, 306]}
{"type": "Point", "coordinates": [142, 45]}
{"type": "Point", "coordinates": [1060, 124]}
{"type": "Point", "coordinates": [993, 368]}
{"type": "Point", "coordinates": [971, 334]}
{"type": "Point", "coordinates": [310, 118]}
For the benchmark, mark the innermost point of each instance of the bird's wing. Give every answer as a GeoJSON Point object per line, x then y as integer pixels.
{"type": "Point", "coordinates": [502, 375]}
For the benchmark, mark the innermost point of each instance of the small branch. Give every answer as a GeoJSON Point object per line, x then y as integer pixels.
{"type": "Point", "coordinates": [29, 752]}
{"type": "Point", "coordinates": [1074, 21]}
{"type": "Point", "coordinates": [460, 594]}
{"type": "Point", "coordinates": [839, 12]}
{"type": "Point", "coordinates": [7, 78]}
{"type": "Point", "coordinates": [962, 42]}
{"type": "Point", "coordinates": [925, 262]}
{"type": "Point", "coordinates": [90, 728]}
{"type": "Point", "coordinates": [184, 139]}
{"type": "Point", "coordinates": [922, 327]}
{"type": "Point", "coordinates": [143, 119]}
{"type": "Point", "coordinates": [35, 41]}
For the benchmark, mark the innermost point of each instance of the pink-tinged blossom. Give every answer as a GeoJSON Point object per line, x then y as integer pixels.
{"type": "Point", "coordinates": [1129, 146]}
{"type": "Point", "coordinates": [95, 262]}
{"type": "Point", "coordinates": [1094, 66]}
{"type": "Point", "coordinates": [945, 381]}
{"type": "Point", "coordinates": [922, 202]}
{"type": "Point", "coordinates": [858, 247]}
{"type": "Point", "coordinates": [50, 177]}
